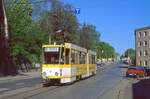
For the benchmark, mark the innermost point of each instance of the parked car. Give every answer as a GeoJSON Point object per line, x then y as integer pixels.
{"type": "Point", "coordinates": [125, 62]}
{"type": "Point", "coordinates": [135, 71]}
{"type": "Point", "coordinates": [147, 70]}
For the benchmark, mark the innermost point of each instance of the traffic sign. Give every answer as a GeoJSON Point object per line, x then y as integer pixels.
{"type": "Point", "coordinates": [77, 11]}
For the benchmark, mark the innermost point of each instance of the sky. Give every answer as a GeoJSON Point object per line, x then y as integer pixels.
{"type": "Point", "coordinates": [116, 20]}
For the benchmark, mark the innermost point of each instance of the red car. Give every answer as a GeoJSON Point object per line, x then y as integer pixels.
{"type": "Point", "coordinates": [136, 71]}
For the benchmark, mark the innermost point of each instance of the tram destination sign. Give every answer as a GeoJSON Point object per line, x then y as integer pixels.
{"type": "Point", "coordinates": [51, 49]}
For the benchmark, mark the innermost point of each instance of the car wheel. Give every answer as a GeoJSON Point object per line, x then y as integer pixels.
{"type": "Point", "coordinates": [127, 75]}
{"type": "Point", "coordinates": [137, 76]}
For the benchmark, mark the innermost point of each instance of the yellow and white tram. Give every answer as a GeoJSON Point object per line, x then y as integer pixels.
{"type": "Point", "coordinates": [67, 63]}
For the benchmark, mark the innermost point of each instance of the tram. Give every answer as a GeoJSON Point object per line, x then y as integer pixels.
{"type": "Point", "coordinates": [66, 63]}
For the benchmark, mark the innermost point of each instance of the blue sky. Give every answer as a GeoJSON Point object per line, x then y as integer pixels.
{"type": "Point", "coordinates": [116, 20]}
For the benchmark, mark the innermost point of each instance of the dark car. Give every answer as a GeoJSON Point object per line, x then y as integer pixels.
{"type": "Point", "coordinates": [147, 70]}
{"type": "Point", "coordinates": [125, 62]}
{"type": "Point", "coordinates": [136, 71]}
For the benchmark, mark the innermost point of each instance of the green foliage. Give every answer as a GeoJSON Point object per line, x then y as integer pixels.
{"type": "Point", "coordinates": [130, 53]}
{"type": "Point", "coordinates": [89, 36]}
{"type": "Point", "coordinates": [104, 50]}
{"type": "Point", "coordinates": [25, 34]}
{"type": "Point", "coordinates": [60, 18]}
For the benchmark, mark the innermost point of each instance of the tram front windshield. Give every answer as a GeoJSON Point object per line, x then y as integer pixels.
{"type": "Point", "coordinates": [53, 56]}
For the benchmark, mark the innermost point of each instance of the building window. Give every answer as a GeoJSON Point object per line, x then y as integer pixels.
{"type": "Point", "coordinates": [145, 33]}
{"type": "Point", "coordinates": [145, 43]}
{"type": "Point", "coordinates": [145, 53]}
{"type": "Point", "coordinates": [139, 34]}
{"type": "Point", "coordinates": [140, 53]}
{"type": "Point", "coordinates": [139, 43]}
{"type": "Point", "coordinates": [140, 63]}
{"type": "Point", "coordinates": [145, 63]}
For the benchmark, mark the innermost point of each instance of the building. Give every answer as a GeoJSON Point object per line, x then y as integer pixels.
{"type": "Point", "coordinates": [142, 46]}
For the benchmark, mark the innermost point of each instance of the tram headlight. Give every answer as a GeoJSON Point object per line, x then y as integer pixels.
{"type": "Point", "coordinates": [60, 72]}
{"type": "Point", "coordinates": [44, 74]}
{"type": "Point", "coordinates": [56, 73]}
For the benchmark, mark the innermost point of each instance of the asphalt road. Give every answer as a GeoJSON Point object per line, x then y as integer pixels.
{"type": "Point", "coordinates": [95, 87]}
{"type": "Point", "coordinates": [14, 85]}
{"type": "Point", "coordinates": [101, 86]}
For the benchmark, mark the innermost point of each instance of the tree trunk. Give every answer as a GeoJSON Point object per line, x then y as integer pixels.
{"type": "Point", "coordinates": [6, 66]}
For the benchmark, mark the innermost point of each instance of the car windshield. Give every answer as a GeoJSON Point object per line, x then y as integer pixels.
{"type": "Point", "coordinates": [132, 69]}
{"type": "Point", "coordinates": [141, 68]}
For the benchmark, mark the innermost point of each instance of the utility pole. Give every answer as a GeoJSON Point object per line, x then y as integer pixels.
{"type": "Point", "coordinates": [6, 64]}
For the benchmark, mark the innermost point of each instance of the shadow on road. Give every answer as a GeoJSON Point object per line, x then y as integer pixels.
{"type": "Point", "coordinates": [141, 89]}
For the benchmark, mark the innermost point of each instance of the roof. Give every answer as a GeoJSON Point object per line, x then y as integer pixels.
{"type": "Point", "coordinates": [92, 52]}
{"type": "Point", "coordinates": [73, 46]}
{"type": "Point", "coordinates": [52, 45]}
{"type": "Point", "coordinates": [143, 28]}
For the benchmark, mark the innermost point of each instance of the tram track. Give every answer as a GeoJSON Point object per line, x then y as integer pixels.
{"type": "Point", "coordinates": [30, 92]}
{"type": "Point", "coordinates": [38, 89]}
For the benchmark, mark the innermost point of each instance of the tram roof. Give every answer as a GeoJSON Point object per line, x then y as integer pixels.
{"type": "Point", "coordinates": [76, 47]}
{"type": "Point", "coordinates": [52, 45]}
{"type": "Point", "coordinates": [73, 46]}
{"type": "Point", "coordinates": [92, 52]}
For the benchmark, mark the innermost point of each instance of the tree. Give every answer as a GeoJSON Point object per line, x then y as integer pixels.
{"type": "Point", "coordinates": [104, 50]}
{"type": "Point", "coordinates": [131, 54]}
{"type": "Point", "coordinates": [61, 23]}
{"type": "Point", "coordinates": [26, 37]}
{"type": "Point", "coordinates": [89, 37]}
{"type": "Point", "coordinates": [6, 66]}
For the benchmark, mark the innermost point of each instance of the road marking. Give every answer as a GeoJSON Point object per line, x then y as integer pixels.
{"type": "Point", "coordinates": [19, 83]}
{"type": "Point", "coordinates": [3, 89]}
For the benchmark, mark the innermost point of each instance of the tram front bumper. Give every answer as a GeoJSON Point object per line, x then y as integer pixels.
{"type": "Point", "coordinates": [46, 80]}
{"type": "Point", "coordinates": [50, 80]}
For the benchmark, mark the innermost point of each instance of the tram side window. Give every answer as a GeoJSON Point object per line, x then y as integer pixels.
{"type": "Point", "coordinates": [67, 56]}
{"type": "Point", "coordinates": [62, 56]}
{"type": "Point", "coordinates": [73, 57]}
{"type": "Point", "coordinates": [90, 60]}
{"type": "Point", "coordinates": [76, 57]}
{"type": "Point", "coordinates": [83, 61]}
{"type": "Point", "coordinates": [93, 59]}
{"type": "Point", "coordinates": [82, 58]}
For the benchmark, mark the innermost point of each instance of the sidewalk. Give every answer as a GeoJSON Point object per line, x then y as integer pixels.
{"type": "Point", "coordinates": [137, 89]}
{"type": "Point", "coordinates": [128, 92]}
{"type": "Point", "coordinates": [117, 92]}
{"type": "Point", "coordinates": [20, 76]}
